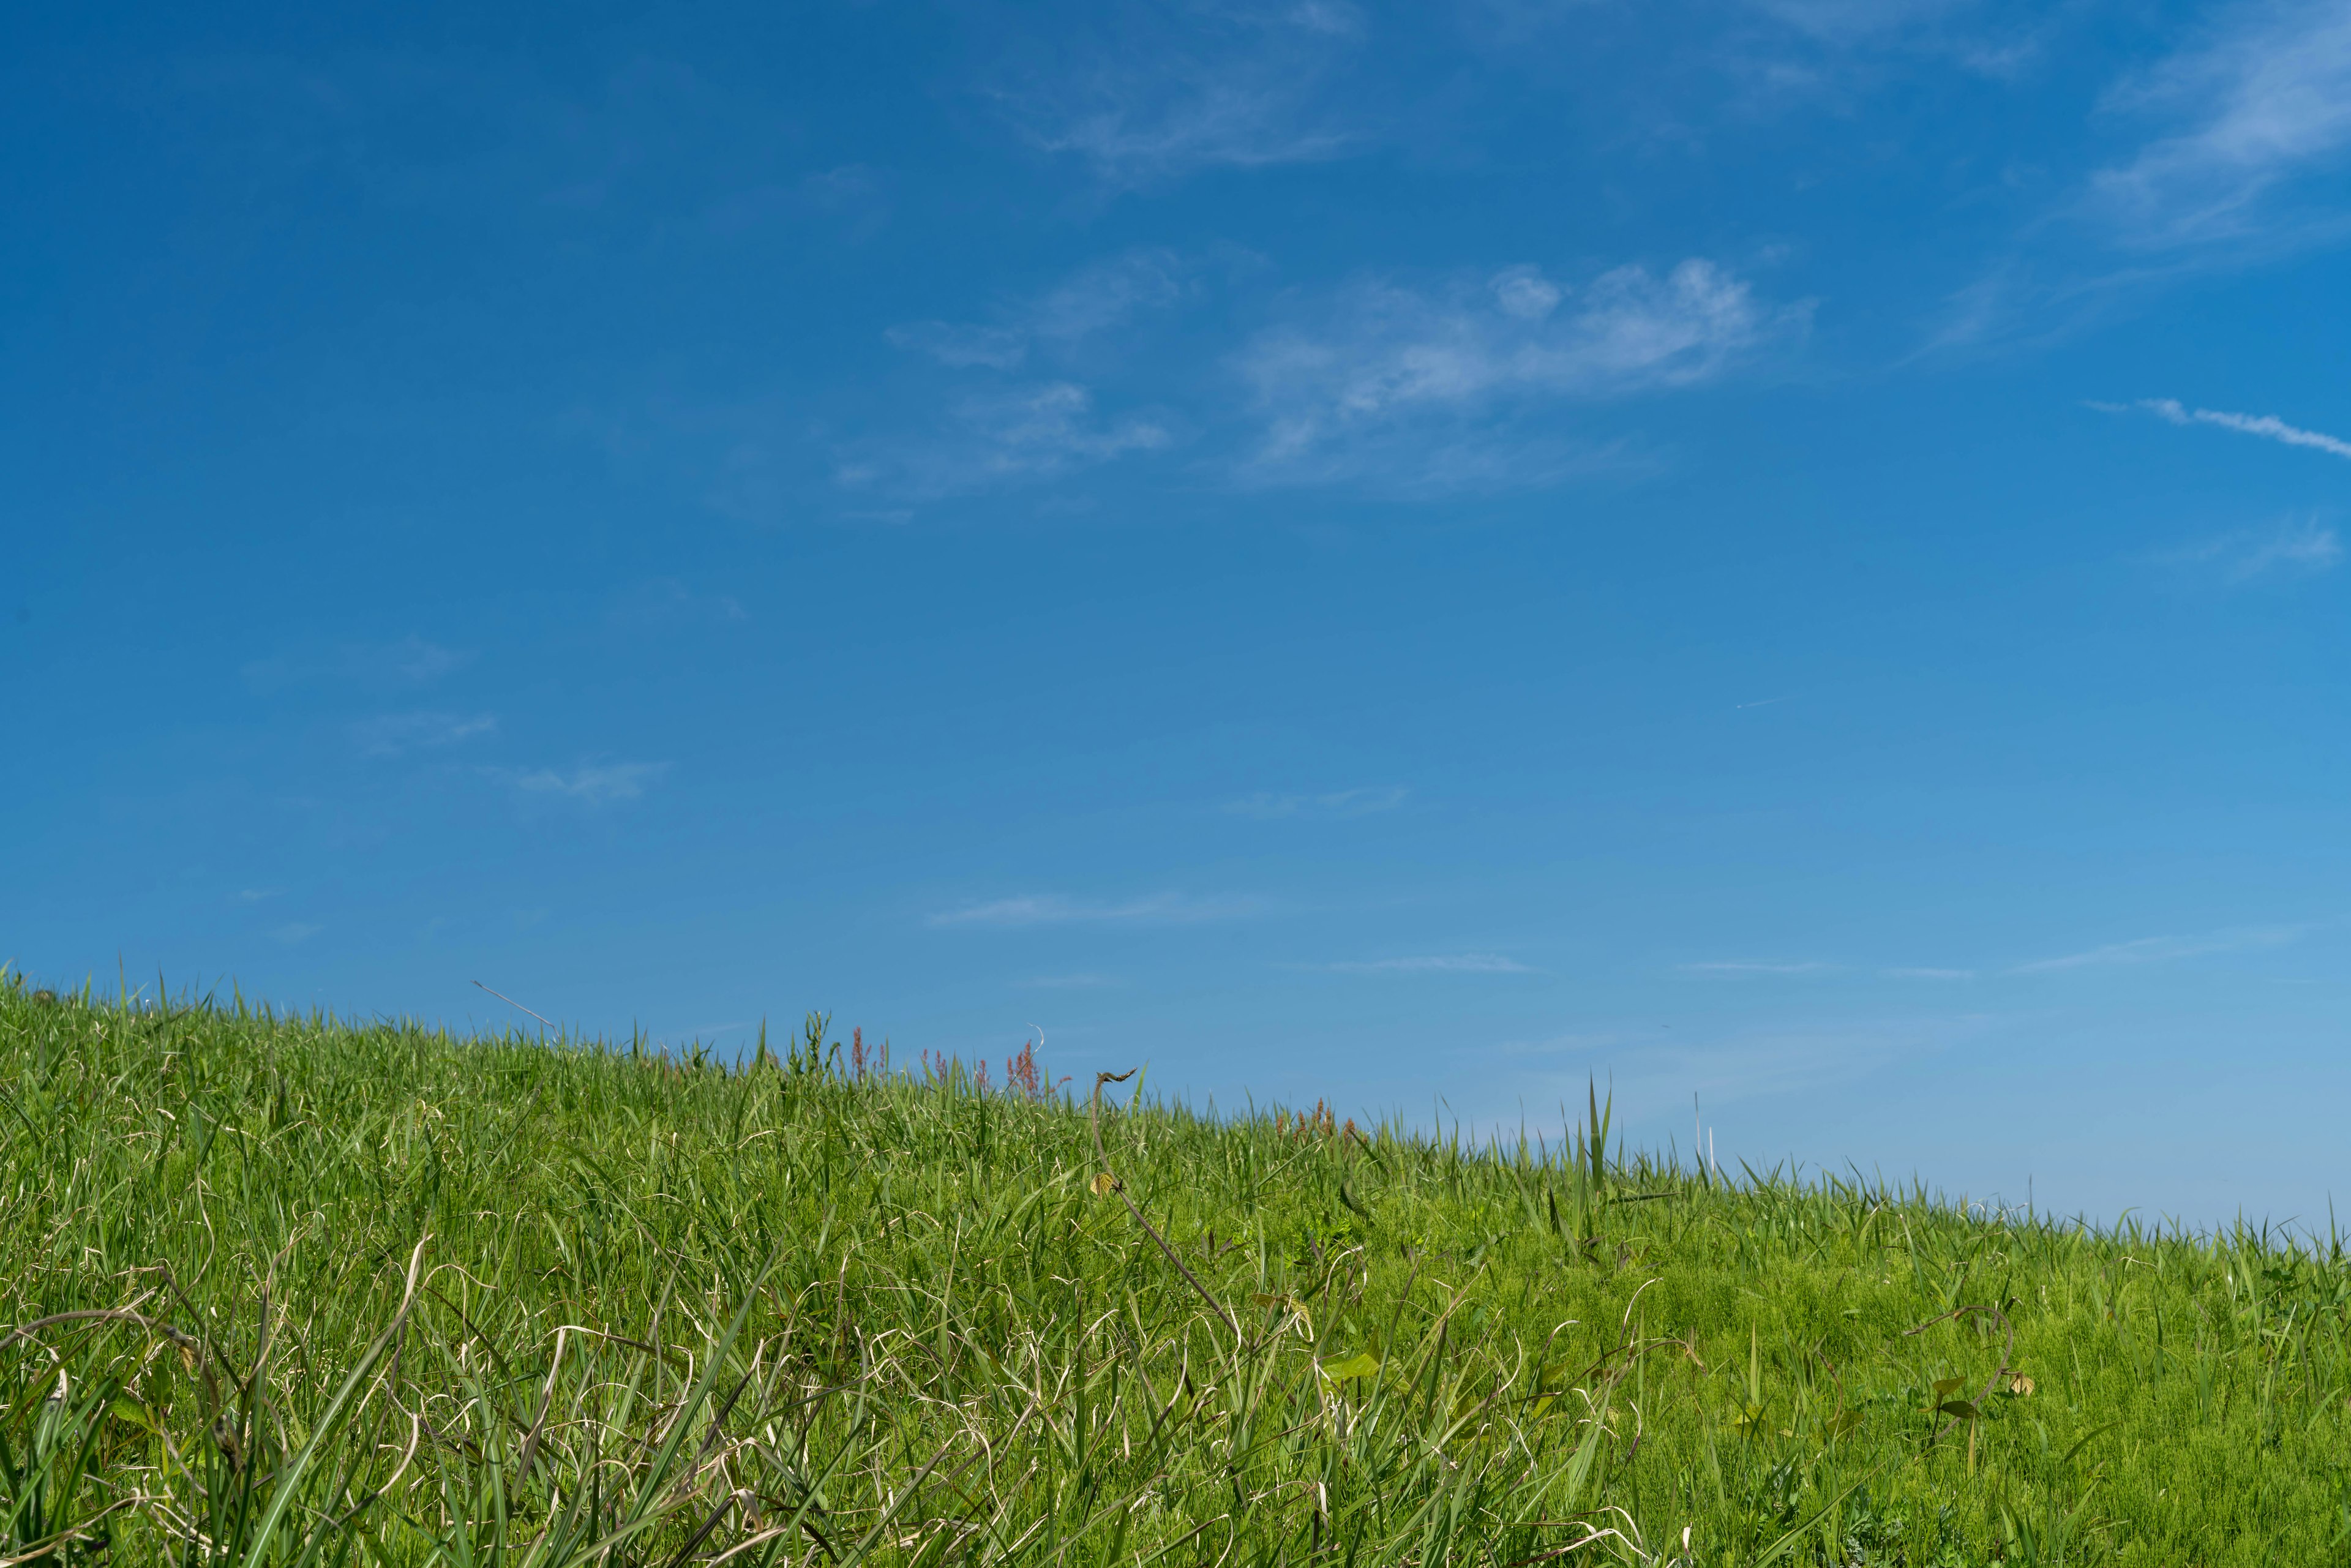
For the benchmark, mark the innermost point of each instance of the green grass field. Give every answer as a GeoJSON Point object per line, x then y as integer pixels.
{"type": "Point", "coordinates": [284, 1291]}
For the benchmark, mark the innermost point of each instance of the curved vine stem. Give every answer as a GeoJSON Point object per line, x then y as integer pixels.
{"type": "Point", "coordinates": [1106, 1180]}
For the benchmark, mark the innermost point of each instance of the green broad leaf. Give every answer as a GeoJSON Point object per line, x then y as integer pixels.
{"type": "Point", "coordinates": [1362, 1364]}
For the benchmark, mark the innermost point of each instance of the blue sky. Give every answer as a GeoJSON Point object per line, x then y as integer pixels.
{"type": "Point", "coordinates": [1787, 551]}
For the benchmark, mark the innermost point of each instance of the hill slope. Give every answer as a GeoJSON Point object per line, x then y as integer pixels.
{"type": "Point", "coordinates": [291, 1290]}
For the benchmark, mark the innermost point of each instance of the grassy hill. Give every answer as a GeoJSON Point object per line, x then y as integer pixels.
{"type": "Point", "coordinates": [287, 1291]}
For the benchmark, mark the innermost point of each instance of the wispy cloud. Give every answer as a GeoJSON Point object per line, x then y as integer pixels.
{"type": "Point", "coordinates": [2165, 950]}
{"type": "Point", "coordinates": [1057, 909]}
{"type": "Point", "coordinates": [962, 344]}
{"type": "Point", "coordinates": [853, 200]}
{"type": "Point", "coordinates": [1070, 982]}
{"type": "Point", "coordinates": [1656, 1075]}
{"type": "Point", "coordinates": [2262, 100]}
{"type": "Point", "coordinates": [1096, 298]}
{"type": "Point", "coordinates": [1141, 131]}
{"type": "Point", "coordinates": [2267, 426]}
{"type": "Point", "coordinates": [1437, 964]}
{"type": "Point", "coordinates": [1755, 970]}
{"type": "Point", "coordinates": [1189, 89]}
{"type": "Point", "coordinates": [1017, 434]}
{"type": "Point", "coordinates": [1845, 20]}
{"type": "Point", "coordinates": [258, 894]}
{"type": "Point", "coordinates": [396, 734]}
{"type": "Point", "coordinates": [591, 784]}
{"type": "Point", "coordinates": [1360, 802]}
{"type": "Point", "coordinates": [2295, 548]}
{"type": "Point", "coordinates": [296, 932]}
{"type": "Point", "coordinates": [410, 661]}
{"type": "Point", "coordinates": [1385, 381]}
{"type": "Point", "coordinates": [668, 601]}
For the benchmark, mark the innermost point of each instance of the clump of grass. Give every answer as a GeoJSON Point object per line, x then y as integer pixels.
{"type": "Point", "coordinates": [284, 1291]}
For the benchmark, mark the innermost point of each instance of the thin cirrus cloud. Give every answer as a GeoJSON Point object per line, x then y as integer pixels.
{"type": "Point", "coordinates": [1361, 803]}
{"type": "Point", "coordinates": [2262, 100]}
{"type": "Point", "coordinates": [999, 433]}
{"type": "Point", "coordinates": [1753, 969]}
{"type": "Point", "coordinates": [1056, 909]}
{"type": "Point", "coordinates": [2298, 547]}
{"type": "Point", "coordinates": [590, 784]}
{"type": "Point", "coordinates": [2165, 949]}
{"type": "Point", "coordinates": [397, 734]}
{"type": "Point", "coordinates": [1416, 388]}
{"type": "Point", "coordinates": [1845, 20]}
{"type": "Point", "coordinates": [409, 662]}
{"type": "Point", "coordinates": [1740, 1064]}
{"type": "Point", "coordinates": [1183, 91]}
{"type": "Point", "coordinates": [2269, 428]}
{"type": "Point", "coordinates": [1101, 297]}
{"type": "Point", "coordinates": [1436, 964]}
{"type": "Point", "coordinates": [1010, 435]}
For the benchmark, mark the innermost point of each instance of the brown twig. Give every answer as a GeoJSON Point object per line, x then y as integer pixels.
{"type": "Point", "coordinates": [189, 1343]}
{"type": "Point", "coordinates": [520, 1007]}
{"type": "Point", "coordinates": [1093, 1124]}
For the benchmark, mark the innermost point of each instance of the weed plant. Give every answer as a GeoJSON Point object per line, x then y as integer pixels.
{"type": "Point", "coordinates": [284, 1290]}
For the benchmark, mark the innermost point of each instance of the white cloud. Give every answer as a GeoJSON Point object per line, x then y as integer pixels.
{"type": "Point", "coordinates": [1359, 802]}
{"type": "Point", "coordinates": [1108, 294]}
{"type": "Point", "coordinates": [1141, 132]}
{"type": "Point", "coordinates": [410, 661]}
{"type": "Point", "coordinates": [664, 601]}
{"type": "Point", "coordinates": [2296, 547]}
{"type": "Point", "coordinates": [1189, 88]}
{"type": "Point", "coordinates": [297, 932]}
{"type": "Point", "coordinates": [1527, 294]}
{"type": "Point", "coordinates": [1656, 1075]}
{"type": "Point", "coordinates": [2267, 426]}
{"type": "Point", "coordinates": [2165, 950]}
{"type": "Point", "coordinates": [1020, 433]}
{"type": "Point", "coordinates": [1055, 909]}
{"type": "Point", "coordinates": [1098, 297]}
{"type": "Point", "coordinates": [2262, 100]}
{"type": "Point", "coordinates": [394, 734]}
{"type": "Point", "coordinates": [1398, 382]}
{"type": "Point", "coordinates": [258, 894]}
{"type": "Point", "coordinates": [1845, 20]}
{"type": "Point", "coordinates": [1049, 428]}
{"type": "Point", "coordinates": [1738, 969]}
{"type": "Point", "coordinates": [999, 347]}
{"type": "Point", "coordinates": [1439, 964]}
{"type": "Point", "coordinates": [592, 784]}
